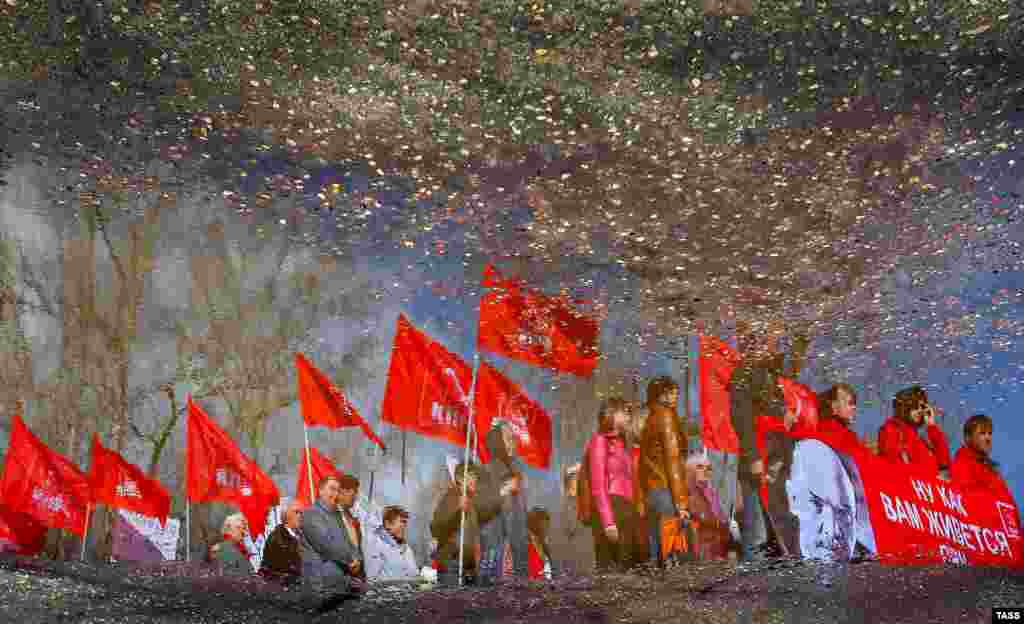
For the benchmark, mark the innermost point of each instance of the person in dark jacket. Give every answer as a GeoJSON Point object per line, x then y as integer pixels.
{"type": "Point", "coordinates": [755, 390]}
{"type": "Point", "coordinates": [282, 553]}
{"type": "Point", "coordinates": [502, 505]}
{"type": "Point", "coordinates": [332, 557]}
{"type": "Point", "coordinates": [446, 528]}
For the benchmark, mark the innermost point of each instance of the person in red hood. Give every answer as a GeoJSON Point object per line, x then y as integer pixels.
{"type": "Point", "coordinates": [973, 468]}
{"type": "Point", "coordinates": [898, 439]}
{"type": "Point", "coordinates": [838, 411]}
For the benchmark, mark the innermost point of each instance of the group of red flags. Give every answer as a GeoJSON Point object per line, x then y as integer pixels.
{"type": "Point", "coordinates": [429, 387]}
{"type": "Point", "coordinates": [42, 489]}
{"type": "Point", "coordinates": [428, 391]}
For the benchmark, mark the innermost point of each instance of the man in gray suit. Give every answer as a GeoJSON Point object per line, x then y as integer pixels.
{"type": "Point", "coordinates": [332, 555]}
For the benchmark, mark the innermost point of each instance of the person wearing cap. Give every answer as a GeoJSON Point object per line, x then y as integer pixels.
{"type": "Point", "coordinates": [898, 438]}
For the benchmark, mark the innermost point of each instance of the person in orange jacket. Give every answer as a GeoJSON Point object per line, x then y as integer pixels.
{"type": "Point", "coordinates": [973, 468]}
{"type": "Point", "coordinates": [898, 440]}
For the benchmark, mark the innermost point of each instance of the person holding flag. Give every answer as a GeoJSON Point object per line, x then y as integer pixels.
{"type": "Point", "coordinates": [457, 514]}
{"type": "Point", "coordinates": [755, 390]}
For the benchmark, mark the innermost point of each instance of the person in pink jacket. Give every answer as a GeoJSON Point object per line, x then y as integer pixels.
{"type": "Point", "coordinates": [612, 483]}
{"type": "Point", "coordinates": [898, 440]}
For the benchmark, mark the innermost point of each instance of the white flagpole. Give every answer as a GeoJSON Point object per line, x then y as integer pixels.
{"type": "Point", "coordinates": [309, 463]}
{"type": "Point", "coordinates": [188, 530]}
{"type": "Point", "coordinates": [465, 464]}
{"type": "Point", "coordinates": [85, 534]}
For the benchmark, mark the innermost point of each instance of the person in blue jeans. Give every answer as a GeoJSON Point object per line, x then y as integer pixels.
{"type": "Point", "coordinates": [755, 390]}
{"type": "Point", "coordinates": [663, 448]}
{"type": "Point", "coordinates": [502, 488]}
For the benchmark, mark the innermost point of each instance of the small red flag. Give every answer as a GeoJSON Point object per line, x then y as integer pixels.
{"type": "Point", "coordinates": [27, 536]}
{"type": "Point", "coordinates": [116, 483]}
{"type": "Point", "coordinates": [527, 325]}
{"type": "Point", "coordinates": [43, 484]}
{"type": "Point", "coordinates": [217, 470]}
{"type": "Point", "coordinates": [497, 397]}
{"type": "Point", "coordinates": [323, 404]}
{"type": "Point", "coordinates": [428, 387]}
{"type": "Point", "coordinates": [717, 362]}
{"type": "Point", "coordinates": [321, 468]}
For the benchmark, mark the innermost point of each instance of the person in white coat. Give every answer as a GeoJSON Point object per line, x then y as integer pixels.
{"type": "Point", "coordinates": [388, 556]}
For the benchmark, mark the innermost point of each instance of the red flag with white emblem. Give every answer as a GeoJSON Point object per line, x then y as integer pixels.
{"type": "Point", "coordinates": [527, 325]}
{"type": "Point", "coordinates": [116, 483]}
{"type": "Point", "coordinates": [428, 387]}
{"type": "Point", "coordinates": [498, 398]}
{"type": "Point", "coordinates": [217, 470]}
{"type": "Point", "coordinates": [43, 484]}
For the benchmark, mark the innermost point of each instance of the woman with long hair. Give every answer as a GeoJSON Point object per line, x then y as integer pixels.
{"type": "Point", "coordinates": [612, 477]}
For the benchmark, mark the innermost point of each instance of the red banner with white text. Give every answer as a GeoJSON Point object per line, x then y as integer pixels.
{"type": "Point", "coordinates": [845, 502]}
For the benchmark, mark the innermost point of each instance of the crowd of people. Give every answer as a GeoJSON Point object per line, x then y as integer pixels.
{"type": "Point", "coordinates": [637, 497]}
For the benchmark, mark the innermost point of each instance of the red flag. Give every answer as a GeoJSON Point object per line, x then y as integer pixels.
{"type": "Point", "coordinates": [217, 470]}
{"type": "Point", "coordinates": [428, 387]}
{"type": "Point", "coordinates": [43, 484]}
{"type": "Point", "coordinates": [321, 468]}
{"type": "Point", "coordinates": [117, 483]}
{"type": "Point", "coordinates": [497, 397]}
{"type": "Point", "coordinates": [27, 536]}
{"type": "Point", "coordinates": [323, 404]}
{"type": "Point", "coordinates": [717, 362]}
{"type": "Point", "coordinates": [524, 324]}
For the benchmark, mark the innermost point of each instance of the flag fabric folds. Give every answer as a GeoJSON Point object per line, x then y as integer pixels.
{"type": "Point", "coordinates": [321, 468]}
{"type": "Point", "coordinates": [20, 532]}
{"type": "Point", "coordinates": [428, 387]}
{"type": "Point", "coordinates": [43, 484]}
{"type": "Point", "coordinates": [529, 326]}
{"type": "Point", "coordinates": [116, 483]}
{"type": "Point", "coordinates": [498, 398]}
{"type": "Point", "coordinates": [323, 404]}
{"type": "Point", "coordinates": [717, 362]}
{"type": "Point", "coordinates": [217, 470]}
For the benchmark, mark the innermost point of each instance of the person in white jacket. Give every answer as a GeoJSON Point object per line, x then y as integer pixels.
{"type": "Point", "coordinates": [388, 556]}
